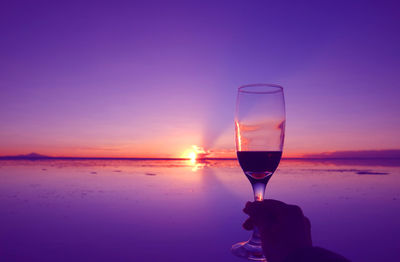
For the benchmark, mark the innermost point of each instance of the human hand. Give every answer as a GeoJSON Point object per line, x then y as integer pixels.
{"type": "Point", "coordinates": [283, 228]}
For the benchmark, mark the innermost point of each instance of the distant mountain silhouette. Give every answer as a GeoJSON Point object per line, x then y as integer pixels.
{"type": "Point", "coordinates": [389, 153]}
{"type": "Point", "coordinates": [27, 156]}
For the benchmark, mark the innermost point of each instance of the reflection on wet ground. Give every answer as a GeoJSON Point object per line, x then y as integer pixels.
{"type": "Point", "coordinates": [120, 210]}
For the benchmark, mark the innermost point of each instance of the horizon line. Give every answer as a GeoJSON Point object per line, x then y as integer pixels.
{"type": "Point", "coordinates": [177, 158]}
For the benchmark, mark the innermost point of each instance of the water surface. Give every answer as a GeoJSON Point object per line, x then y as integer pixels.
{"type": "Point", "coordinates": [120, 210]}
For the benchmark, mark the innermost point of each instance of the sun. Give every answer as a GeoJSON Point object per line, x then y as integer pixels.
{"type": "Point", "coordinates": [194, 153]}
{"type": "Point", "coordinates": [193, 156]}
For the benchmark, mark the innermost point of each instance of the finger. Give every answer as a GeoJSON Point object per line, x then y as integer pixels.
{"type": "Point", "coordinates": [253, 208]}
{"type": "Point", "coordinates": [294, 210]}
{"type": "Point", "coordinates": [307, 223]}
{"type": "Point", "coordinates": [247, 207]}
{"type": "Point", "coordinates": [248, 224]}
{"type": "Point", "coordinates": [274, 203]}
{"type": "Point", "coordinates": [266, 206]}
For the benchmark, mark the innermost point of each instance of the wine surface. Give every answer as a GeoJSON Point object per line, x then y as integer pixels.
{"type": "Point", "coordinates": [259, 164]}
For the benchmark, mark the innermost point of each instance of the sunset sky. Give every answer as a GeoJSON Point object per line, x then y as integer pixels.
{"type": "Point", "coordinates": [152, 79]}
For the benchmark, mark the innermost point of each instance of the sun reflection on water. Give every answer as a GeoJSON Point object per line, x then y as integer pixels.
{"type": "Point", "coordinates": [198, 165]}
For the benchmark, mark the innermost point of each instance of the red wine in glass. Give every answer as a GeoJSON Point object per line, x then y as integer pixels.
{"type": "Point", "coordinates": [259, 165]}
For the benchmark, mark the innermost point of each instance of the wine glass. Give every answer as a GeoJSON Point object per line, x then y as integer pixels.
{"type": "Point", "coordinates": [260, 131]}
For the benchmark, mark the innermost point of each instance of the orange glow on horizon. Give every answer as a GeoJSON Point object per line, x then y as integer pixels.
{"type": "Point", "coordinates": [194, 153]}
{"type": "Point", "coordinates": [127, 150]}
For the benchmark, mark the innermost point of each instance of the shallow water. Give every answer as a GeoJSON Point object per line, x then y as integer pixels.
{"type": "Point", "coordinates": [120, 210]}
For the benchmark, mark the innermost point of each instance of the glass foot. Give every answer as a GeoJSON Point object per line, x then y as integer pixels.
{"type": "Point", "coordinates": [248, 250]}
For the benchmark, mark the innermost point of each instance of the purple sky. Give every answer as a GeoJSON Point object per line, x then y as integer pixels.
{"type": "Point", "coordinates": [154, 78]}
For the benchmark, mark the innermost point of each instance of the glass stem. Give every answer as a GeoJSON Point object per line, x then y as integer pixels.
{"type": "Point", "coordinates": [259, 191]}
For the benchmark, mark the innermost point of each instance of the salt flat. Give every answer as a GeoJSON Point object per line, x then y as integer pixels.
{"type": "Point", "coordinates": [120, 210]}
